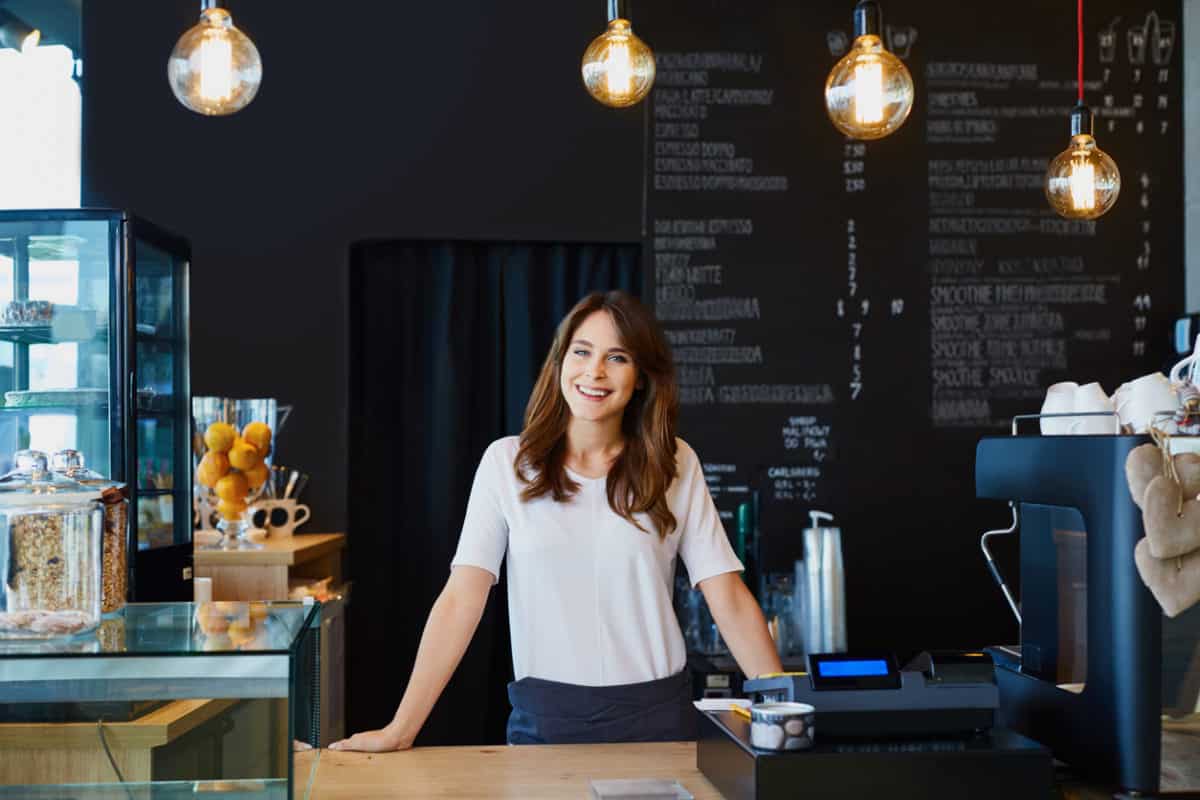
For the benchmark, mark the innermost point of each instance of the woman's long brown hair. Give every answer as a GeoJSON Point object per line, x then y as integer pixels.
{"type": "Point", "coordinates": [638, 479]}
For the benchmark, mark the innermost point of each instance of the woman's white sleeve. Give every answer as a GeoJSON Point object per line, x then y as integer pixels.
{"type": "Point", "coordinates": [703, 544]}
{"type": "Point", "coordinates": [484, 537]}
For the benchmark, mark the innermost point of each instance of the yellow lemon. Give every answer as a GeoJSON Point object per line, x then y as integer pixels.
{"type": "Point", "coordinates": [231, 509]}
{"type": "Point", "coordinates": [213, 467]}
{"type": "Point", "coordinates": [244, 456]}
{"type": "Point", "coordinates": [232, 487]}
{"type": "Point", "coordinates": [220, 437]}
{"type": "Point", "coordinates": [256, 476]}
{"type": "Point", "coordinates": [240, 631]}
{"type": "Point", "coordinates": [259, 435]}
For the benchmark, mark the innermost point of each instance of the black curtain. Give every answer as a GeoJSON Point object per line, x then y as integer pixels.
{"type": "Point", "coordinates": [446, 340]}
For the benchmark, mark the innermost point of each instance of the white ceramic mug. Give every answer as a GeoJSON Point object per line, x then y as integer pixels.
{"type": "Point", "coordinates": [1060, 399]}
{"type": "Point", "coordinates": [1092, 399]}
{"type": "Point", "coordinates": [279, 517]}
{"type": "Point", "coordinates": [1139, 400]}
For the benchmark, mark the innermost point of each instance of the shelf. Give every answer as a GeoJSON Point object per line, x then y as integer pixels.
{"type": "Point", "coordinates": [154, 492]}
{"type": "Point", "coordinates": [256, 789]}
{"type": "Point", "coordinates": [43, 334]}
{"type": "Point", "coordinates": [101, 409]}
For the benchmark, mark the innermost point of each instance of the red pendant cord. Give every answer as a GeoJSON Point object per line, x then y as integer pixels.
{"type": "Point", "coordinates": [1079, 26]}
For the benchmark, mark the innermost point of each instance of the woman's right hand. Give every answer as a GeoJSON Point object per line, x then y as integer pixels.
{"type": "Point", "coordinates": [380, 741]}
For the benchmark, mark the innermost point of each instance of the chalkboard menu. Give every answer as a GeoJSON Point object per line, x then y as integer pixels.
{"type": "Point", "coordinates": [849, 318]}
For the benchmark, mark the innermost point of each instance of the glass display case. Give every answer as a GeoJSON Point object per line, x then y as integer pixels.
{"type": "Point", "coordinates": [165, 699]}
{"type": "Point", "coordinates": [94, 357]}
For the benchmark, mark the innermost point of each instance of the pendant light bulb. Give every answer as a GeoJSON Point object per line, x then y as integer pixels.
{"type": "Point", "coordinates": [17, 34]}
{"type": "Point", "coordinates": [214, 69]}
{"type": "Point", "coordinates": [1082, 182]}
{"type": "Point", "coordinates": [618, 67]}
{"type": "Point", "coordinates": [869, 92]}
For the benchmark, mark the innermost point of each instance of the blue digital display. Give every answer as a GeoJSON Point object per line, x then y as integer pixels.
{"type": "Point", "coordinates": [852, 669]}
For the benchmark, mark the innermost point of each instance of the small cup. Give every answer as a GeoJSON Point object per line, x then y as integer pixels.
{"type": "Point", "coordinates": [1091, 399]}
{"type": "Point", "coordinates": [1060, 399]}
{"type": "Point", "coordinates": [1139, 400]}
{"type": "Point", "coordinates": [279, 517]}
{"type": "Point", "coordinates": [782, 726]}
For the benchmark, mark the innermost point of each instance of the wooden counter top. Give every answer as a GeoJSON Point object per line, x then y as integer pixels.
{"type": "Point", "coordinates": [527, 772]}
{"type": "Point", "coordinates": [561, 772]}
{"type": "Point", "coordinates": [286, 551]}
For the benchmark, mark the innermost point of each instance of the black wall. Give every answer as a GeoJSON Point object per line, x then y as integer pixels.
{"type": "Point", "coordinates": [458, 119]}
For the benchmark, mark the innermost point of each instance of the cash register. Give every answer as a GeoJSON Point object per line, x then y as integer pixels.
{"type": "Point", "coordinates": [927, 730]}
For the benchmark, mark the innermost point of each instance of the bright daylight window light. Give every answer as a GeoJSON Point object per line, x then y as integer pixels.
{"type": "Point", "coordinates": [41, 133]}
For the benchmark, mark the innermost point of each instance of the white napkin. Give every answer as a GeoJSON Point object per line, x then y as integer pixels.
{"type": "Point", "coordinates": [721, 703]}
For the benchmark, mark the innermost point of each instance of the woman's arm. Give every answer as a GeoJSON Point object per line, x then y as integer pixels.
{"type": "Point", "coordinates": [741, 624]}
{"type": "Point", "coordinates": [448, 631]}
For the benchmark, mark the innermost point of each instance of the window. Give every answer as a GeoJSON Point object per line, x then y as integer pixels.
{"type": "Point", "coordinates": [40, 129]}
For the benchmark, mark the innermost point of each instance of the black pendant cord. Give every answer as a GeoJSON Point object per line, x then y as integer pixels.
{"type": "Point", "coordinates": [868, 19]}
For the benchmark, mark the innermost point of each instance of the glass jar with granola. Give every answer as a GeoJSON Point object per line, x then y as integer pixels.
{"type": "Point", "coordinates": [114, 561]}
{"type": "Point", "coordinates": [50, 556]}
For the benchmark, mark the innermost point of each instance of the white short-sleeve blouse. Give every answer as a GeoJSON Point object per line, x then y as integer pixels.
{"type": "Point", "coordinates": [589, 595]}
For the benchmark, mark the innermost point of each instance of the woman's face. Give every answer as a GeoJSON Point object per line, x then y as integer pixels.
{"type": "Point", "coordinates": [598, 375]}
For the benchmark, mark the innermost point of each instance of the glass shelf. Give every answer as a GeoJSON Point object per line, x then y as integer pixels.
{"type": "Point", "coordinates": [58, 408]}
{"type": "Point", "coordinates": [162, 654]}
{"type": "Point", "coordinates": [265, 789]}
{"type": "Point", "coordinates": [45, 334]}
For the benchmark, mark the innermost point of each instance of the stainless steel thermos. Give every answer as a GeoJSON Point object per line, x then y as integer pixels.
{"type": "Point", "coordinates": [821, 585]}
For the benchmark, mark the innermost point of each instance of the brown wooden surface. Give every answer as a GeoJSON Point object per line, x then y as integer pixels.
{"type": "Point", "coordinates": [70, 752]}
{"type": "Point", "coordinates": [263, 574]}
{"type": "Point", "coordinates": [528, 772]}
{"type": "Point", "coordinates": [286, 551]}
{"type": "Point", "coordinates": [561, 772]}
{"type": "Point", "coordinates": [267, 582]}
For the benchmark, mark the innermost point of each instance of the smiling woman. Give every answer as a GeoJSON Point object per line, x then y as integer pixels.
{"type": "Point", "coordinates": [589, 509]}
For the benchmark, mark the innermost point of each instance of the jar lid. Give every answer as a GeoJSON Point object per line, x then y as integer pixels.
{"type": "Point", "coordinates": [71, 464]}
{"type": "Point", "coordinates": [31, 483]}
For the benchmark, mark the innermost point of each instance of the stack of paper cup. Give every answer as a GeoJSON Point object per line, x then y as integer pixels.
{"type": "Point", "coordinates": [1139, 400]}
{"type": "Point", "coordinates": [1071, 398]}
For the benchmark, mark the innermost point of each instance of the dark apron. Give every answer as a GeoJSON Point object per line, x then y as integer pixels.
{"type": "Point", "coordinates": [546, 712]}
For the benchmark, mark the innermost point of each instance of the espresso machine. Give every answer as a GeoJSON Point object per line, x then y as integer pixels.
{"type": "Point", "coordinates": [1099, 676]}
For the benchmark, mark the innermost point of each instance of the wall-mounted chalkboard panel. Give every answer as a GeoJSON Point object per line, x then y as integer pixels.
{"type": "Point", "coordinates": [849, 318]}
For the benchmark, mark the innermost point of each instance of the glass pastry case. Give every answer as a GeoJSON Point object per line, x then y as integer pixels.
{"type": "Point", "coordinates": [165, 700]}
{"type": "Point", "coordinates": [94, 358]}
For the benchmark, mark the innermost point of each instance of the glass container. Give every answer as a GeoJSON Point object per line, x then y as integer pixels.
{"type": "Point", "coordinates": [233, 443]}
{"type": "Point", "coordinates": [50, 534]}
{"type": "Point", "coordinates": [94, 358]}
{"type": "Point", "coordinates": [114, 561]}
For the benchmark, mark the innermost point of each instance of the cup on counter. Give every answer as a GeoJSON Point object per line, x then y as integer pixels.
{"type": "Point", "coordinates": [1060, 399]}
{"type": "Point", "coordinates": [782, 726]}
{"type": "Point", "coordinates": [1139, 400]}
{"type": "Point", "coordinates": [278, 517]}
{"type": "Point", "coordinates": [1092, 399]}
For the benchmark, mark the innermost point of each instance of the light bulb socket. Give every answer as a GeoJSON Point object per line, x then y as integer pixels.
{"type": "Point", "coordinates": [205, 5]}
{"type": "Point", "coordinates": [868, 19]}
{"type": "Point", "coordinates": [13, 30]}
{"type": "Point", "coordinates": [618, 9]}
{"type": "Point", "coordinates": [1082, 121]}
